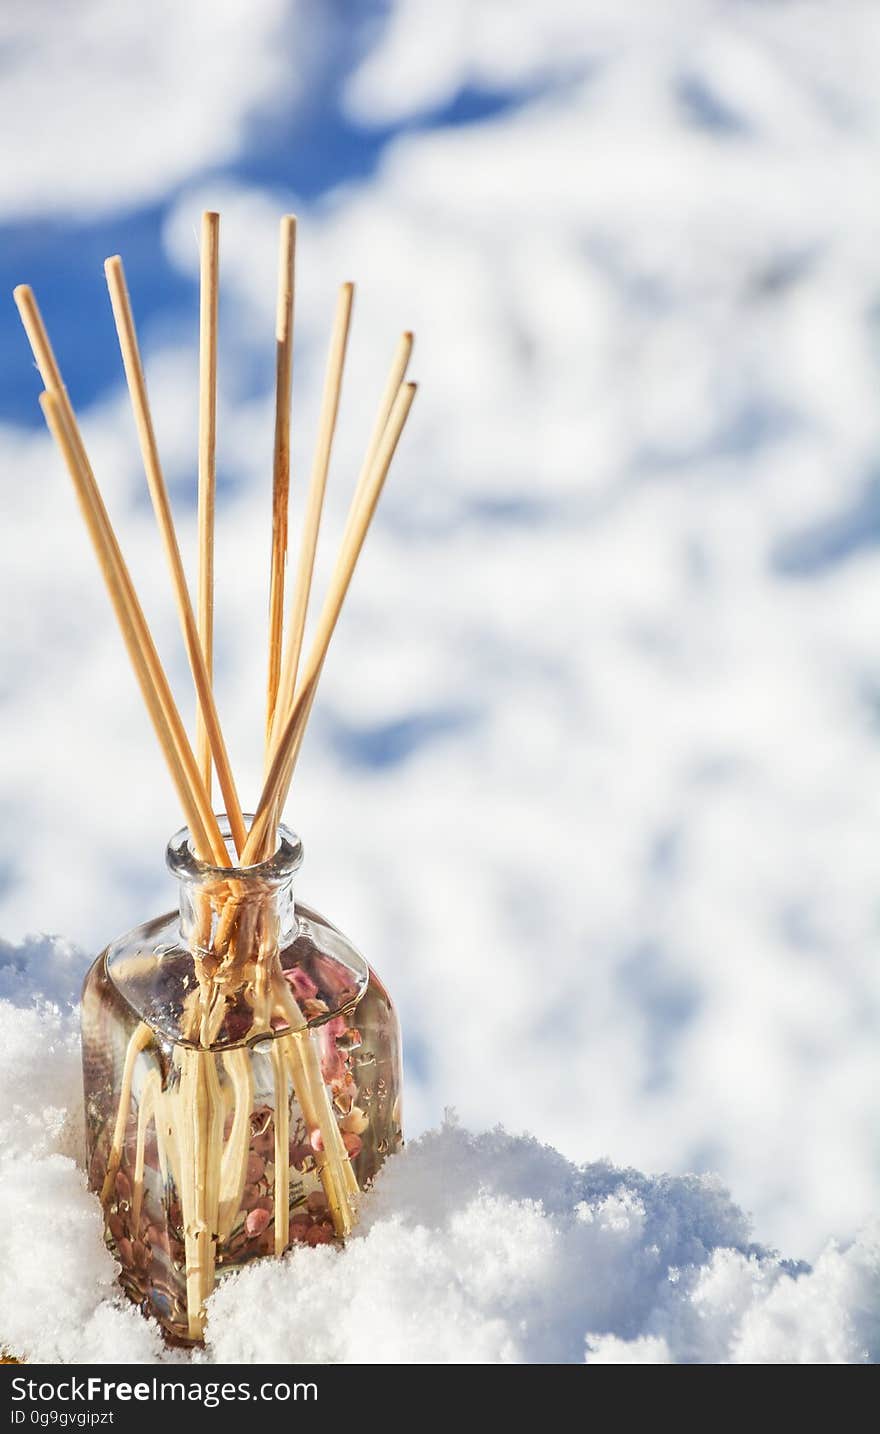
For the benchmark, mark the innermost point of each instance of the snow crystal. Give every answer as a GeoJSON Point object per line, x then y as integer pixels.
{"type": "Point", "coordinates": [472, 1248]}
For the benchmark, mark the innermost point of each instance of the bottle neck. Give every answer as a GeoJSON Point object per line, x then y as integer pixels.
{"type": "Point", "coordinates": [209, 910]}
{"type": "Point", "coordinates": [250, 907]}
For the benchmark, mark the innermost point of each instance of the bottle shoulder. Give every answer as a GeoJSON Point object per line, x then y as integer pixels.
{"type": "Point", "coordinates": [151, 972]}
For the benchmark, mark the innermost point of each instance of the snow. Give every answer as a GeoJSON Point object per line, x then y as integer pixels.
{"type": "Point", "coordinates": [473, 1248]}
{"type": "Point", "coordinates": [594, 775]}
{"type": "Point", "coordinates": [493, 1249]}
{"type": "Point", "coordinates": [57, 1297]}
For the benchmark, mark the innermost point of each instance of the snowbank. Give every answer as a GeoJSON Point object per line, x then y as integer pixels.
{"type": "Point", "coordinates": [491, 1249]}
{"type": "Point", "coordinates": [488, 1248]}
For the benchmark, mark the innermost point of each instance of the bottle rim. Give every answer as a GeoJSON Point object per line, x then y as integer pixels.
{"type": "Point", "coordinates": [278, 869]}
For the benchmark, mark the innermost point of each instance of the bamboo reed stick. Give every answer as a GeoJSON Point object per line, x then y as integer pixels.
{"type": "Point", "coordinates": [395, 378]}
{"type": "Point", "coordinates": [281, 1150]}
{"type": "Point", "coordinates": [203, 824]}
{"type": "Point", "coordinates": [150, 1094]}
{"type": "Point", "coordinates": [279, 776]}
{"type": "Point", "coordinates": [212, 1166]}
{"type": "Point", "coordinates": [140, 1039]}
{"type": "Point", "coordinates": [393, 382]}
{"type": "Point", "coordinates": [281, 459]}
{"type": "Point", "coordinates": [137, 387]}
{"type": "Point", "coordinates": [190, 1131]}
{"type": "Point", "coordinates": [314, 508]}
{"type": "Point", "coordinates": [233, 1173]}
{"type": "Point", "coordinates": [314, 1102]}
{"type": "Point", "coordinates": [208, 305]}
{"type": "Point", "coordinates": [148, 669]}
{"type": "Point", "coordinates": [396, 375]}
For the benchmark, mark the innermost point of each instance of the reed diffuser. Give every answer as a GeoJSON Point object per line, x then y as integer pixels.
{"type": "Point", "coordinates": [241, 1060]}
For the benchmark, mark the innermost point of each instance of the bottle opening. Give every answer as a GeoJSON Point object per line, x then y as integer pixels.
{"type": "Point", "coordinates": [284, 862]}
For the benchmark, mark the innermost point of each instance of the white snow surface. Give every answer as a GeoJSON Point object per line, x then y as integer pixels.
{"type": "Point", "coordinates": [594, 775]}
{"type": "Point", "coordinates": [473, 1248]}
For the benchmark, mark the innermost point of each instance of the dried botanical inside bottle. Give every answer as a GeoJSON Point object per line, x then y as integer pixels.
{"type": "Point", "coordinates": [242, 1082]}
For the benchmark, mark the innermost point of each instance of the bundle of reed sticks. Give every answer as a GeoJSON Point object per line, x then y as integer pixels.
{"type": "Point", "coordinates": [230, 945]}
{"type": "Point", "coordinates": [292, 681]}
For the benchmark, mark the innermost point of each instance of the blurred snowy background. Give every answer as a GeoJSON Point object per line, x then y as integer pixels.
{"type": "Point", "coordinates": [594, 778]}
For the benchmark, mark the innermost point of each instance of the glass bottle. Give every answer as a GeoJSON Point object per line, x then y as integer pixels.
{"type": "Point", "coordinates": [241, 1065]}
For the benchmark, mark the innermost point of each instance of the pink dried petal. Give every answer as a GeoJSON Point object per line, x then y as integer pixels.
{"type": "Point", "coordinates": [316, 1140]}
{"type": "Point", "coordinates": [123, 1185]}
{"type": "Point", "coordinates": [124, 1251]}
{"type": "Point", "coordinates": [151, 1152]}
{"type": "Point", "coordinates": [353, 1143]}
{"type": "Point", "coordinates": [256, 1222]}
{"type": "Point", "coordinates": [237, 1024]}
{"type": "Point", "coordinates": [332, 1065]}
{"type": "Point", "coordinates": [255, 1167]}
{"type": "Point", "coordinates": [301, 982]}
{"type": "Point", "coordinates": [140, 1254]}
{"type": "Point", "coordinates": [158, 1237]}
{"type": "Point", "coordinates": [333, 976]}
{"type": "Point", "coordinates": [319, 1235]}
{"type": "Point", "coordinates": [317, 1202]}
